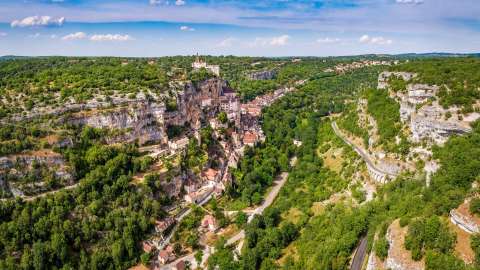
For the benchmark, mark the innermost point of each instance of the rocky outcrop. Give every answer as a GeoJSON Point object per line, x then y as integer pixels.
{"type": "Point", "coordinates": [142, 121]}
{"type": "Point", "coordinates": [205, 100]}
{"type": "Point", "coordinates": [5, 163]}
{"type": "Point", "coordinates": [398, 257]}
{"type": "Point", "coordinates": [384, 76]}
{"type": "Point", "coordinates": [262, 75]}
{"type": "Point", "coordinates": [28, 159]}
{"type": "Point", "coordinates": [465, 220]}
{"type": "Point", "coordinates": [438, 131]}
{"type": "Point", "coordinates": [374, 263]}
{"type": "Point", "coordinates": [16, 167]}
{"type": "Point", "coordinates": [425, 121]}
{"type": "Point", "coordinates": [420, 93]}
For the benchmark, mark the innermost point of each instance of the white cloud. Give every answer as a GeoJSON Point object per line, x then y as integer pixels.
{"type": "Point", "coordinates": [228, 42]}
{"type": "Point", "coordinates": [3, 34]}
{"type": "Point", "coordinates": [274, 41]}
{"type": "Point", "coordinates": [280, 41]}
{"type": "Point", "coordinates": [159, 2]}
{"type": "Point", "coordinates": [180, 3]}
{"type": "Point", "coordinates": [75, 36]}
{"type": "Point", "coordinates": [38, 21]}
{"type": "Point", "coordinates": [186, 28]}
{"type": "Point", "coordinates": [375, 40]}
{"type": "Point", "coordinates": [364, 39]}
{"type": "Point", "coordinates": [415, 2]}
{"type": "Point", "coordinates": [36, 35]}
{"type": "Point", "coordinates": [328, 40]}
{"type": "Point", "coordinates": [111, 37]}
{"type": "Point", "coordinates": [381, 41]}
{"type": "Point", "coordinates": [167, 2]}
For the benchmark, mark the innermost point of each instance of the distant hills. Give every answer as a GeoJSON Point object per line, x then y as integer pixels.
{"type": "Point", "coordinates": [403, 55]}
{"type": "Point", "coordinates": [10, 57]}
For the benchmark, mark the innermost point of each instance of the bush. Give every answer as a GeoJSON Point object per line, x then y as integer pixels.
{"type": "Point", "coordinates": [475, 206]}
{"type": "Point", "coordinates": [404, 221]}
{"type": "Point", "coordinates": [241, 219]}
{"type": "Point", "coordinates": [381, 248]}
{"type": "Point", "coordinates": [145, 258]}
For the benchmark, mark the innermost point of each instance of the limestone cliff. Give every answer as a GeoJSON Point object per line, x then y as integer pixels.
{"type": "Point", "coordinates": [142, 121]}
{"type": "Point", "coordinates": [262, 75]}
{"type": "Point", "coordinates": [420, 110]}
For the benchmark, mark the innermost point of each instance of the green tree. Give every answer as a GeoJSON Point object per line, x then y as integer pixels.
{"type": "Point", "coordinates": [199, 256]}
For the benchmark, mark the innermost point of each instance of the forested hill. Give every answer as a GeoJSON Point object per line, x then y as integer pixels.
{"type": "Point", "coordinates": [376, 147]}
{"type": "Point", "coordinates": [330, 201]}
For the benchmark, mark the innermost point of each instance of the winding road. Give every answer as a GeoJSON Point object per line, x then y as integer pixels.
{"type": "Point", "coordinates": [361, 152]}
{"type": "Point", "coordinates": [259, 210]}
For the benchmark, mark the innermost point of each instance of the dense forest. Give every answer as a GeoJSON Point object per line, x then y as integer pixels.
{"type": "Point", "coordinates": [95, 226]}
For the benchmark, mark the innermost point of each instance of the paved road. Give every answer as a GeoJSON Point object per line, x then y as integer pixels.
{"type": "Point", "coordinates": [259, 210]}
{"type": "Point", "coordinates": [360, 151]}
{"type": "Point", "coordinates": [179, 218]}
{"type": "Point", "coordinates": [359, 256]}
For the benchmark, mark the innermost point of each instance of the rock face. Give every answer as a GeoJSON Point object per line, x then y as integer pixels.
{"type": "Point", "coordinates": [141, 120]}
{"type": "Point", "coordinates": [436, 130]}
{"type": "Point", "coordinates": [465, 220]}
{"type": "Point", "coordinates": [204, 101]}
{"type": "Point", "coordinates": [384, 76]}
{"type": "Point", "coordinates": [18, 166]}
{"type": "Point", "coordinates": [262, 75]}
{"type": "Point", "coordinates": [398, 257]}
{"type": "Point", "coordinates": [147, 120]}
{"type": "Point", "coordinates": [420, 93]}
{"type": "Point", "coordinates": [427, 121]}
{"type": "Point", "coordinates": [374, 263]}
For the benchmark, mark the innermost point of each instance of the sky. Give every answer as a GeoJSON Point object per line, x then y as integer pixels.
{"type": "Point", "coordinates": [225, 27]}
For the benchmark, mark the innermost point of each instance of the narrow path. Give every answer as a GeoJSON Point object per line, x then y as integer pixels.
{"type": "Point", "coordinates": [31, 198]}
{"type": "Point", "coordinates": [359, 256]}
{"type": "Point", "coordinates": [179, 218]}
{"type": "Point", "coordinates": [259, 210]}
{"type": "Point", "coordinates": [360, 151]}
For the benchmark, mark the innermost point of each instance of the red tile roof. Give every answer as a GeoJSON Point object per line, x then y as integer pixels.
{"type": "Point", "coordinates": [249, 137]}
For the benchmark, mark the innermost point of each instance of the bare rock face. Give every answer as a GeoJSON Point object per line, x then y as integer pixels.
{"type": "Point", "coordinates": [374, 263]}
{"type": "Point", "coordinates": [465, 220]}
{"type": "Point", "coordinates": [18, 166]}
{"type": "Point", "coordinates": [420, 93]}
{"type": "Point", "coordinates": [262, 75]}
{"type": "Point", "coordinates": [398, 257]}
{"type": "Point", "coordinates": [5, 163]}
{"type": "Point", "coordinates": [406, 110]}
{"type": "Point", "coordinates": [438, 131]}
{"type": "Point", "coordinates": [205, 100]}
{"type": "Point", "coordinates": [427, 121]}
{"type": "Point", "coordinates": [141, 120]}
{"type": "Point", "coordinates": [384, 76]}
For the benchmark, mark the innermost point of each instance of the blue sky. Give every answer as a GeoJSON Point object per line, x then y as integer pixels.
{"type": "Point", "coordinates": [222, 27]}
